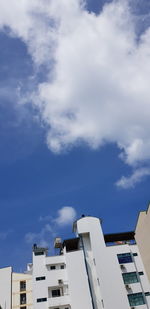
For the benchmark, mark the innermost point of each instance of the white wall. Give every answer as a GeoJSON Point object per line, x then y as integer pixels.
{"type": "Point", "coordinates": [5, 287]}
{"type": "Point", "coordinates": [77, 280]}
{"type": "Point", "coordinates": [40, 289]}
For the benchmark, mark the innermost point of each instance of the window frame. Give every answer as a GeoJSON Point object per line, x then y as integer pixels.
{"type": "Point", "coordinates": [130, 277]}
{"type": "Point", "coordinates": [53, 291]}
{"type": "Point", "coordinates": [134, 301]}
{"type": "Point", "coordinates": [124, 258]}
{"type": "Point", "coordinates": [23, 295]}
{"type": "Point", "coordinates": [23, 285]}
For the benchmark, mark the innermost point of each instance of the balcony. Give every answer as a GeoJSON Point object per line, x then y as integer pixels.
{"type": "Point", "coordinates": [58, 301]}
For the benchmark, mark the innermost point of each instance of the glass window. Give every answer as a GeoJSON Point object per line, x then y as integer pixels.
{"type": "Point", "coordinates": [56, 293]}
{"type": "Point", "coordinates": [22, 298]}
{"type": "Point", "coordinates": [147, 293]}
{"type": "Point", "coordinates": [130, 277]}
{"type": "Point", "coordinates": [141, 273]}
{"type": "Point", "coordinates": [135, 254]}
{"type": "Point", "coordinates": [62, 266]}
{"type": "Point", "coordinates": [136, 299]}
{"type": "Point", "coordinates": [39, 300]}
{"type": "Point", "coordinates": [124, 258]}
{"type": "Point", "coordinates": [40, 278]}
{"type": "Point", "coordinates": [52, 267]}
{"type": "Point", "coordinates": [22, 285]}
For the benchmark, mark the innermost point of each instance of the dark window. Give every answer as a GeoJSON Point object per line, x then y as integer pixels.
{"type": "Point", "coordinates": [52, 267]}
{"type": "Point", "coordinates": [141, 273]}
{"type": "Point", "coordinates": [39, 253]}
{"type": "Point", "coordinates": [135, 254]}
{"type": "Point", "coordinates": [40, 278]}
{"type": "Point", "coordinates": [136, 299]}
{"type": "Point", "coordinates": [39, 300]}
{"type": "Point", "coordinates": [22, 285]}
{"type": "Point", "coordinates": [22, 298]}
{"type": "Point", "coordinates": [147, 293]}
{"type": "Point", "coordinates": [56, 293]}
{"type": "Point", "coordinates": [130, 277]}
{"type": "Point", "coordinates": [24, 307]}
{"type": "Point", "coordinates": [62, 266]}
{"type": "Point", "coordinates": [124, 258]}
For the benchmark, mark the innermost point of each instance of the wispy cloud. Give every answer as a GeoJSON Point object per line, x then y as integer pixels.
{"type": "Point", "coordinates": [65, 216]}
{"type": "Point", "coordinates": [41, 236]}
{"type": "Point", "coordinates": [97, 87]}
{"type": "Point", "coordinates": [137, 176]}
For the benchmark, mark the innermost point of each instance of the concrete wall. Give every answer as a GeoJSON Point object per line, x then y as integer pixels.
{"type": "Point", "coordinates": [16, 278]}
{"type": "Point", "coordinates": [104, 269]}
{"type": "Point", "coordinates": [142, 235]}
{"type": "Point", "coordinates": [5, 287]}
{"type": "Point", "coordinates": [78, 281]}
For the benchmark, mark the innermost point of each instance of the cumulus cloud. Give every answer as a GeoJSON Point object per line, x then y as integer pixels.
{"type": "Point", "coordinates": [130, 182]}
{"type": "Point", "coordinates": [65, 216]}
{"type": "Point", "coordinates": [97, 89]}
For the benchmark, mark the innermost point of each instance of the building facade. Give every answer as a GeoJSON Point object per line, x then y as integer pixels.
{"type": "Point", "coordinates": [142, 234]}
{"type": "Point", "coordinates": [15, 289]}
{"type": "Point", "coordinates": [92, 271]}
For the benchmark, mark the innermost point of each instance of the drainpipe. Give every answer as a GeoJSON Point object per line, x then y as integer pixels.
{"type": "Point", "coordinates": [86, 266]}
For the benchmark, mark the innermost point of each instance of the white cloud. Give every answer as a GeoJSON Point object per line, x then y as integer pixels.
{"type": "Point", "coordinates": [66, 215]}
{"type": "Point", "coordinates": [41, 237]}
{"type": "Point", "coordinates": [97, 89]}
{"type": "Point", "coordinates": [136, 177]}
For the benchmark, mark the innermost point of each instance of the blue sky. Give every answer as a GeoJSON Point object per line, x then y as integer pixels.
{"type": "Point", "coordinates": [74, 119]}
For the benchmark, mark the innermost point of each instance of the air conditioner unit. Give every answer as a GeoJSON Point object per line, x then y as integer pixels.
{"type": "Point", "coordinates": [60, 281]}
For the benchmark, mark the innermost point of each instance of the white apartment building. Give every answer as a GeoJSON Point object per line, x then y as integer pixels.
{"type": "Point", "coordinates": [92, 271]}
{"type": "Point", "coordinates": [15, 289]}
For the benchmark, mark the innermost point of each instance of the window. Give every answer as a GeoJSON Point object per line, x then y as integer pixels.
{"type": "Point", "coordinates": [22, 285]}
{"type": "Point", "coordinates": [135, 254]}
{"type": "Point", "coordinates": [136, 299]}
{"type": "Point", "coordinates": [130, 277]}
{"type": "Point", "coordinates": [124, 258]}
{"type": "Point", "coordinates": [147, 293]}
{"type": "Point", "coordinates": [24, 307]}
{"type": "Point", "coordinates": [141, 273]}
{"type": "Point", "coordinates": [56, 293]}
{"type": "Point", "coordinates": [40, 278]}
{"type": "Point", "coordinates": [39, 253]}
{"type": "Point", "coordinates": [39, 300]}
{"type": "Point", "coordinates": [52, 267]}
{"type": "Point", "coordinates": [22, 298]}
{"type": "Point", "coordinates": [62, 266]}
